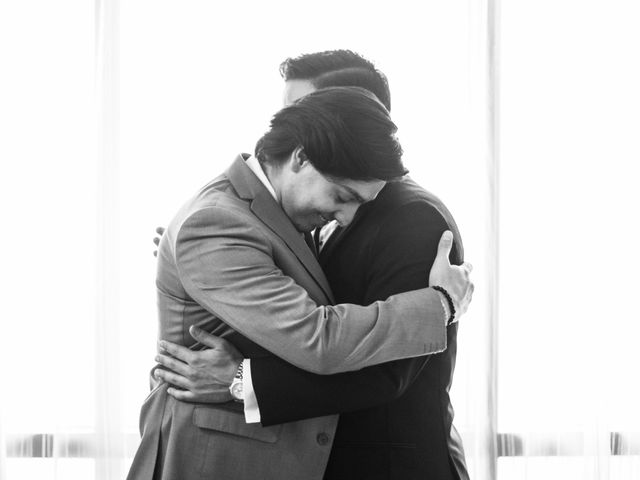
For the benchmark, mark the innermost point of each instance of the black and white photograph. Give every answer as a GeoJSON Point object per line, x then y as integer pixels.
{"type": "Point", "coordinates": [342, 240]}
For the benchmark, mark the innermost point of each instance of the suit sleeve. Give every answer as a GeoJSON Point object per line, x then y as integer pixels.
{"type": "Point", "coordinates": [226, 265]}
{"type": "Point", "coordinates": [400, 258]}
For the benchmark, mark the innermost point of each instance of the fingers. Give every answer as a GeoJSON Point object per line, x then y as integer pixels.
{"type": "Point", "coordinates": [184, 395]}
{"type": "Point", "coordinates": [468, 267]}
{"type": "Point", "coordinates": [216, 395]}
{"type": "Point", "coordinates": [206, 338]}
{"type": "Point", "coordinates": [178, 351]}
{"type": "Point", "coordinates": [444, 247]}
{"type": "Point", "coordinates": [156, 240]}
{"type": "Point", "coordinates": [174, 364]}
{"type": "Point", "coordinates": [172, 378]}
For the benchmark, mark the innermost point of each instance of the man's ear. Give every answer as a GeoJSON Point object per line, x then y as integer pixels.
{"type": "Point", "coordinates": [298, 159]}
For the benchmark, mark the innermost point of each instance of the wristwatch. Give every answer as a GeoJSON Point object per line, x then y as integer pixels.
{"type": "Point", "coordinates": [236, 385]}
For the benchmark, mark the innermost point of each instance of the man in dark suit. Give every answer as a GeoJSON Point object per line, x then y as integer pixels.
{"type": "Point", "coordinates": [395, 418]}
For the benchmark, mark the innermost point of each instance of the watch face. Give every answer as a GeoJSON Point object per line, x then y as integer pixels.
{"type": "Point", "coordinates": [236, 391]}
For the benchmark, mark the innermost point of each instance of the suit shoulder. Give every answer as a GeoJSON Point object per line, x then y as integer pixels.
{"type": "Point", "coordinates": [406, 195]}
{"type": "Point", "coordinates": [217, 197]}
{"type": "Point", "coordinates": [218, 192]}
{"type": "Point", "coordinates": [404, 202]}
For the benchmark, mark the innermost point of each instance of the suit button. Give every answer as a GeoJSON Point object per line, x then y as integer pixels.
{"type": "Point", "coordinates": [322, 439]}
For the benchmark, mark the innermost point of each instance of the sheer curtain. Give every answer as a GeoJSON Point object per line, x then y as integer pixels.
{"type": "Point", "coordinates": [570, 118]}
{"type": "Point", "coordinates": [61, 414]}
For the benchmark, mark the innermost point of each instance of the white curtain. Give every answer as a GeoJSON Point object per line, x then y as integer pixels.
{"type": "Point", "coordinates": [568, 356]}
{"type": "Point", "coordinates": [62, 389]}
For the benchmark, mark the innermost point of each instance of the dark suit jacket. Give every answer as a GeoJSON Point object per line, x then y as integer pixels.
{"type": "Point", "coordinates": [396, 418]}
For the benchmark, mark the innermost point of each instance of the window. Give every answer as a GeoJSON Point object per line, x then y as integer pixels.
{"type": "Point", "coordinates": [113, 113]}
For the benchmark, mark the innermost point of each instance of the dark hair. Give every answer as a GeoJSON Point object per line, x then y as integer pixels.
{"type": "Point", "coordinates": [345, 133]}
{"type": "Point", "coordinates": [338, 68]}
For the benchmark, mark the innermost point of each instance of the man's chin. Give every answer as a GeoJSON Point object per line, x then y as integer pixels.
{"type": "Point", "coordinates": [304, 227]}
{"type": "Point", "coordinates": [308, 225]}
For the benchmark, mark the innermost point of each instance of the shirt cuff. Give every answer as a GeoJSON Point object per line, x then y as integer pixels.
{"type": "Point", "coordinates": [251, 409]}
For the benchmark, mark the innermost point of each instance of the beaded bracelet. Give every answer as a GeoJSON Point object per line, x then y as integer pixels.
{"type": "Point", "coordinates": [449, 301]}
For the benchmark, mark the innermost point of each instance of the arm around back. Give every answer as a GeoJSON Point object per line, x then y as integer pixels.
{"type": "Point", "coordinates": [225, 263]}
{"type": "Point", "coordinates": [403, 250]}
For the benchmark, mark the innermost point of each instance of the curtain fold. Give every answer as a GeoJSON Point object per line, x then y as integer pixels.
{"type": "Point", "coordinates": [474, 392]}
{"type": "Point", "coordinates": [568, 343]}
{"type": "Point", "coordinates": [110, 429]}
{"type": "Point", "coordinates": [3, 447]}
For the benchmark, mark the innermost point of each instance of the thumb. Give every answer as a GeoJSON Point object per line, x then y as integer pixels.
{"type": "Point", "coordinates": [444, 247]}
{"type": "Point", "coordinates": [205, 338]}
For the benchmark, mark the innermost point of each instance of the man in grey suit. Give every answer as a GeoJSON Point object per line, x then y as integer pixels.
{"type": "Point", "coordinates": [233, 261]}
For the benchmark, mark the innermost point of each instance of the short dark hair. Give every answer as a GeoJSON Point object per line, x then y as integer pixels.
{"type": "Point", "coordinates": [345, 133]}
{"type": "Point", "coordinates": [338, 68]}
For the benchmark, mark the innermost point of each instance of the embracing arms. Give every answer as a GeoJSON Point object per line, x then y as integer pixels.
{"type": "Point", "coordinates": [401, 255]}
{"type": "Point", "coordinates": [226, 264]}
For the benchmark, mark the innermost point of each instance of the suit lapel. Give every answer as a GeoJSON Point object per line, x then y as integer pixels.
{"type": "Point", "coordinates": [268, 210]}
{"type": "Point", "coordinates": [271, 214]}
{"type": "Point", "coordinates": [309, 240]}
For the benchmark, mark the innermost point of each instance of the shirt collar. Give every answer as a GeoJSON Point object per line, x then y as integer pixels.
{"type": "Point", "coordinates": [253, 163]}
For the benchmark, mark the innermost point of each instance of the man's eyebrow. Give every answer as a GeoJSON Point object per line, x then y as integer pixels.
{"type": "Point", "coordinates": [355, 194]}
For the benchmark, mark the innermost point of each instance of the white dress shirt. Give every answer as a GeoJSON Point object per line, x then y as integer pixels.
{"type": "Point", "coordinates": [251, 409]}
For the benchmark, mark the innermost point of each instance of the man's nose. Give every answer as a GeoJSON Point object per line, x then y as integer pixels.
{"type": "Point", "coordinates": [346, 214]}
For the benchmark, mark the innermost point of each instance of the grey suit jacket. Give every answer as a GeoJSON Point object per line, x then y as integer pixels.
{"type": "Point", "coordinates": [232, 263]}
